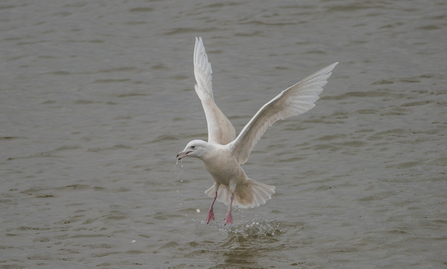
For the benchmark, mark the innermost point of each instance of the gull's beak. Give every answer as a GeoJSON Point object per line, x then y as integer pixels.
{"type": "Point", "coordinates": [182, 154]}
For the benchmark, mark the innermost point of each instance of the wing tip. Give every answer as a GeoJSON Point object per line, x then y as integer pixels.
{"type": "Point", "coordinates": [332, 66]}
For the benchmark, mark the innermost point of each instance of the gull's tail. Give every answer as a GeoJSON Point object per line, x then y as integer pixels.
{"type": "Point", "coordinates": [247, 195]}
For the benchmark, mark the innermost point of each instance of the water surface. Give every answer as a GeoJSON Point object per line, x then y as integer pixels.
{"type": "Point", "coordinates": [96, 99]}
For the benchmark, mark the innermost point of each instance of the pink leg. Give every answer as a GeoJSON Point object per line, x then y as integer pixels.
{"type": "Point", "coordinates": [229, 217]}
{"type": "Point", "coordinates": [211, 212]}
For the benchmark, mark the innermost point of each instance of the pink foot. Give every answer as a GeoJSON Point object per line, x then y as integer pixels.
{"type": "Point", "coordinates": [229, 218]}
{"type": "Point", "coordinates": [210, 216]}
{"type": "Point", "coordinates": [211, 212]}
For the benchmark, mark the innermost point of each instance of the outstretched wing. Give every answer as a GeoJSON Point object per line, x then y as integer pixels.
{"type": "Point", "coordinates": [293, 101]}
{"type": "Point", "coordinates": [220, 129]}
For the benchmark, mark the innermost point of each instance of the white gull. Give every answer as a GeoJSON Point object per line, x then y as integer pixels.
{"type": "Point", "coordinates": [224, 153]}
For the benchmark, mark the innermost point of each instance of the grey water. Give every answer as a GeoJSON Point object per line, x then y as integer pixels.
{"type": "Point", "coordinates": [97, 98]}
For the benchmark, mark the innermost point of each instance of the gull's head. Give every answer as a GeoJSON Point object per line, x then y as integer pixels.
{"type": "Point", "coordinates": [195, 148]}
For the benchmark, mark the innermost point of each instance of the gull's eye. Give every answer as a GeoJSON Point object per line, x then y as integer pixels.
{"type": "Point", "coordinates": [193, 147]}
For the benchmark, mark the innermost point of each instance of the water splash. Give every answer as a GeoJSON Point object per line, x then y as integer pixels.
{"type": "Point", "coordinates": [175, 169]}
{"type": "Point", "coordinates": [258, 227]}
{"type": "Point", "coordinates": [178, 178]}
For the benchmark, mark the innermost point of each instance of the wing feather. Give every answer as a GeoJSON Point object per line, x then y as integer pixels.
{"type": "Point", "coordinates": [293, 101]}
{"type": "Point", "coordinates": [220, 129]}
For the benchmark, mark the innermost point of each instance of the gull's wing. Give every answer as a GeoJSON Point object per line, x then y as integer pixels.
{"type": "Point", "coordinates": [220, 129]}
{"type": "Point", "coordinates": [293, 101]}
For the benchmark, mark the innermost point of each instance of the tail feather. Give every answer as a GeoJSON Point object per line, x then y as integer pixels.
{"type": "Point", "coordinates": [211, 191]}
{"type": "Point", "coordinates": [247, 195]}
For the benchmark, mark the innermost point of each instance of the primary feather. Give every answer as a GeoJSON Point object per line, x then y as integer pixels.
{"type": "Point", "coordinates": [293, 101]}
{"type": "Point", "coordinates": [220, 129]}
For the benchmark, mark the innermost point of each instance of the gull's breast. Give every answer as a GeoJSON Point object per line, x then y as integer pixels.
{"type": "Point", "coordinates": [223, 167]}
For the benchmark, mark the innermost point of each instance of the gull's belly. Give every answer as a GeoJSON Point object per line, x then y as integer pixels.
{"type": "Point", "coordinates": [225, 168]}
